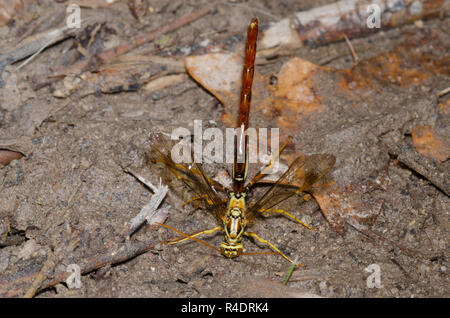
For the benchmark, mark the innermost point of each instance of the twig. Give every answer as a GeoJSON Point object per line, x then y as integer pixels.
{"type": "Point", "coordinates": [36, 43]}
{"type": "Point", "coordinates": [120, 255]}
{"type": "Point", "coordinates": [115, 254]}
{"type": "Point", "coordinates": [11, 240]}
{"type": "Point", "coordinates": [70, 203]}
{"type": "Point", "coordinates": [41, 276]}
{"type": "Point", "coordinates": [328, 23]}
{"type": "Point", "coordinates": [393, 260]}
{"type": "Point", "coordinates": [14, 287]}
{"type": "Point", "coordinates": [443, 92]}
{"type": "Point", "coordinates": [93, 34]}
{"type": "Point", "coordinates": [427, 168]}
{"type": "Point", "coordinates": [44, 22]}
{"type": "Point", "coordinates": [306, 277]}
{"type": "Point", "coordinates": [150, 211]}
{"type": "Point", "coordinates": [142, 179]}
{"type": "Point", "coordinates": [116, 51]}
{"type": "Point", "coordinates": [352, 50]}
{"type": "Point", "coordinates": [33, 45]}
{"type": "Point", "coordinates": [49, 42]}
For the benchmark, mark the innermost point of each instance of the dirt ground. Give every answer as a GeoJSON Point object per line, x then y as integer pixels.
{"type": "Point", "coordinates": [66, 200]}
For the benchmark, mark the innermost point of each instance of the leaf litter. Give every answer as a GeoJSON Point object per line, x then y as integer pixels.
{"type": "Point", "coordinates": [390, 176]}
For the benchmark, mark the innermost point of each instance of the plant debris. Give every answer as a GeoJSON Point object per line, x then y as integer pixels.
{"type": "Point", "coordinates": [88, 99]}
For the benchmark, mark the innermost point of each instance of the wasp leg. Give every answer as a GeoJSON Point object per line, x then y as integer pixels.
{"type": "Point", "coordinates": [254, 235]}
{"type": "Point", "coordinates": [204, 196]}
{"type": "Point", "coordinates": [289, 215]}
{"type": "Point", "coordinates": [189, 237]}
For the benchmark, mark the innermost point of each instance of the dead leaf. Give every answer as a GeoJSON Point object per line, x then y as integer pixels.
{"type": "Point", "coordinates": [430, 144]}
{"type": "Point", "coordinates": [6, 156]}
{"type": "Point", "coordinates": [13, 149]}
{"type": "Point", "coordinates": [292, 97]}
{"type": "Point", "coordinates": [221, 75]}
{"type": "Point", "coordinates": [8, 8]}
{"type": "Point", "coordinates": [295, 96]}
{"type": "Point", "coordinates": [21, 145]}
{"type": "Point", "coordinates": [342, 205]}
{"type": "Point", "coordinates": [164, 82]}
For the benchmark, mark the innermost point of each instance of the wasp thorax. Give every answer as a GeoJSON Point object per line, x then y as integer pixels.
{"type": "Point", "coordinates": [234, 223]}
{"type": "Point", "coordinates": [234, 226]}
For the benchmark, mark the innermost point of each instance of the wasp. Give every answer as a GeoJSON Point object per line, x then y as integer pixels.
{"type": "Point", "coordinates": [230, 207]}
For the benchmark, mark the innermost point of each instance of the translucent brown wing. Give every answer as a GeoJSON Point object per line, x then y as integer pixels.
{"type": "Point", "coordinates": [193, 176]}
{"type": "Point", "coordinates": [300, 176]}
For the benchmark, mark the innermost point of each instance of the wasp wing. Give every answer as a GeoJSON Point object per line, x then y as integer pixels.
{"type": "Point", "coordinates": [304, 170]}
{"type": "Point", "coordinates": [194, 177]}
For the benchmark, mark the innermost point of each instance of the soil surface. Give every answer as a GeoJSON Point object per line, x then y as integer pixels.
{"type": "Point", "coordinates": [70, 195]}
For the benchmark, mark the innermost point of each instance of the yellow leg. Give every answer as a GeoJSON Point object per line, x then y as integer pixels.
{"type": "Point", "coordinates": [189, 237]}
{"type": "Point", "coordinates": [204, 196]}
{"type": "Point", "coordinates": [289, 215]}
{"type": "Point", "coordinates": [254, 235]}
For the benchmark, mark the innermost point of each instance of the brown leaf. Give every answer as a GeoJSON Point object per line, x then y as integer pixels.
{"type": "Point", "coordinates": [429, 143]}
{"type": "Point", "coordinates": [342, 205]}
{"type": "Point", "coordinates": [6, 156]}
{"type": "Point", "coordinates": [293, 97]}
{"type": "Point", "coordinates": [8, 9]}
{"type": "Point", "coordinates": [221, 75]}
{"type": "Point", "coordinates": [22, 145]}
{"type": "Point", "coordinates": [281, 104]}
{"type": "Point", "coordinates": [296, 96]}
{"type": "Point", "coordinates": [11, 149]}
{"type": "Point", "coordinates": [164, 82]}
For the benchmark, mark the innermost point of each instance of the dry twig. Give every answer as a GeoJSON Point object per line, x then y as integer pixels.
{"type": "Point", "coordinates": [444, 92]}
{"type": "Point", "coordinates": [13, 287]}
{"type": "Point", "coordinates": [111, 54]}
{"type": "Point", "coordinates": [352, 50]}
{"type": "Point", "coordinates": [328, 23]}
{"type": "Point", "coordinates": [41, 276]}
{"type": "Point", "coordinates": [33, 45]}
{"type": "Point", "coordinates": [150, 209]}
